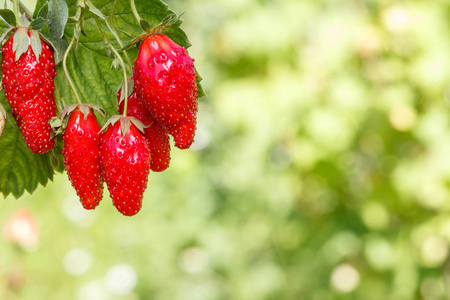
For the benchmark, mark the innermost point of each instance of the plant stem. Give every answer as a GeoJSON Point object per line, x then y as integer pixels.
{"type": "Point", "coordinates": [25, 9]}
{"type": "Point", "coordinates": [69, 79]}
{"type": "Point", "coordinates": [99, 25]}
{"type": "Point", "coordinates": [122, 64]}
{"type": "Point", "coordinates": [125, 83]}
{"type": "Point", "coordinates": [111, 20]}
{"type": "Point", "coordinates": [16, 11]}
{"type": "Point", "coordinates": [135, 13]}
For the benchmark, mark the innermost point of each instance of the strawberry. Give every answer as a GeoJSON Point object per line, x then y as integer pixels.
{"type": "Point", "coordinates": [159, 146]}
{"type": "Point", "coordinates": [165, 80]}
{"type": "Point", "coordinates": [28, 84]}
{"type": "Point", "coordinates": [81, 153]}
{"type": "Point", "coordinates": [125, 160]}
{"type": "Point", "coordinates": [154, 132]}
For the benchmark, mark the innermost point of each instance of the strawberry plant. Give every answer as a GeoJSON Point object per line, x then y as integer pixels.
{"type": "Point", "coordinates": [66, 58]}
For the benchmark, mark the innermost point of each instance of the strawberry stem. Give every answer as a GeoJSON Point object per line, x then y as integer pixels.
{"type": "Point", "coordinates": [69, 79]}
{"type": "Point", "coordinates": [125, 84]}
{"type": "Point", "coordinates": [122, 64]}
{"type": "Point", "coordinates": [135, 13]}
{"type": "Point", "coordinates": [113, 28]}
{"type": "Point", "coordinates": [25, 10]}
{"type": "Point", "coordinates": [16, 12]}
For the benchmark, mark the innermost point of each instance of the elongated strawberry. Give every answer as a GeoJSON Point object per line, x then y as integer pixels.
{"type": "Point", "coordinates": [155, 133]}
{"type": "Point", "coordinates": [27, 79]}
{"type": "Point", "coordinates": [165, 80]}
{"type": "Point", "coordinates": [82, 155]}
{"type": "Point", "coordinates": [125, 161]}
{"type": "Point", "coordinates": [159, 146]}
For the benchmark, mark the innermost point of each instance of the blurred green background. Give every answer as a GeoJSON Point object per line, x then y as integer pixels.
{"type": "Point", "coordinates": [321, 169]}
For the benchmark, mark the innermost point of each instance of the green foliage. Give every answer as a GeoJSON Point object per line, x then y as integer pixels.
{"type": "Point", "coordinates": [58, 13]}
{"type": "Point", "coordinates": [19, 168]}
{"type": "Point", "coordinates": [8, 16]}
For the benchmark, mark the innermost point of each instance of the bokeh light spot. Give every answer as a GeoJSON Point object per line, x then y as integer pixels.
{"type": "Point", "coordinates": [121, 279]}
{"type": "Point", "coordinates": [77, 261]}
{"type": "Point", "coordinates": [345, 278]}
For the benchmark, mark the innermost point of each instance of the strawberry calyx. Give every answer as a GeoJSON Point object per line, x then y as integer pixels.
{"type": "Point", "coordinates": [125, 123]}
{"type": "Point", "coordinates": [84, 108]}
{"type": "Point", "coordinates": [167, 22]}
{"type": "Point", "coordinates": [23, 37]}
{"type": "Point", "coordinates": [59, 124]}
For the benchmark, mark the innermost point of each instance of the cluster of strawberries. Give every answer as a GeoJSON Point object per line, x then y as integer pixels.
{"type": "Point", "coordinates": [163, 102]}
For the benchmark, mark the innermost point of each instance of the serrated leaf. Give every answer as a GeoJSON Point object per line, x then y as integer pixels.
{"type": "Point", "coordinates": [20, 169]}
{"type": "Point", "coordinates": [8, 16]}
{"type": "Point", "coordinates": [58, 14]}
{"type": "Point", "coordinates": [21, 42]}
{"type": "Point", "coordinates": [56, 157]}
{"type": "Point", "coordinates": [36, 44]}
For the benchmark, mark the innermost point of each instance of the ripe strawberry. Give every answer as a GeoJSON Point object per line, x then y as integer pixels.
{"type": "Point", "coordinates": [165, 80]}
{"type": "Point", "coordinates": [159, 146]}
{"type": "Point", "coordinates": [125, 161]}
{"type": "Point", "coordinates": [82, 155]}
{"type": "Point", "coordinates": [155, 132]}
{"type": "Point", "coordinates": [28, 85]}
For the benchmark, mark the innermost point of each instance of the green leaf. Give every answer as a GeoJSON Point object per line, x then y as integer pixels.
{"type": "Point", "coordinates": [38, 23]}
{"type": "Point", "coordinates": [58, 14]}
{"type": "Point", "coordinates": [201, 91]}
{"type": "Point", "coordinates": [60, 48]}
{"type": "Point", "coordinates": [20, 169]}
{"type": "Point", "coordinates": [8, 16]}
{"type": "Point", "coordinates": [145, 25]}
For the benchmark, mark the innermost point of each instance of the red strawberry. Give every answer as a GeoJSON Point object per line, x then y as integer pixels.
{"type": "Point", "coordinates": [28, 85]}
{"type": "Point", "coordinates": [155, 132]}
{"type": "Point", "coordinates": [165, 80]}
{"type": "Point", "coordinates": [159, 146]}
{"type": "Point", "coordinates": [125, 161]}
{"type": "Point", "coordinates": [82, 156]}
{"type": "Point", "coordinates": [135, 108]}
